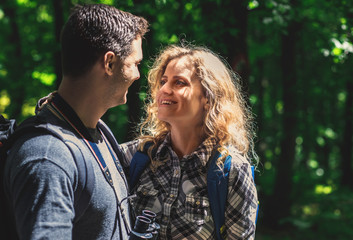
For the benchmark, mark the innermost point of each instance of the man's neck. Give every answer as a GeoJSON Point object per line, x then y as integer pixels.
{"type": "Point", "coordinates": [83, 101]}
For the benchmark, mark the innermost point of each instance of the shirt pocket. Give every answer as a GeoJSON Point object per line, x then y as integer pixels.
{"type": "Point", "coordinates": [197, 209]}
{"type": "Point", "coordinates": [147, 198]}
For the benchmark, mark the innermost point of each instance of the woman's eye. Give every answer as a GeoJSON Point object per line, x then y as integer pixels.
{"type": "Point", "coordinates": [180, 82]}
{"type": "Point", "coordinates": [161, 82]}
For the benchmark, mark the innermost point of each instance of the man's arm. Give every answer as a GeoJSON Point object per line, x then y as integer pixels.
{"type": "Point", "coordinates": [40, 188]}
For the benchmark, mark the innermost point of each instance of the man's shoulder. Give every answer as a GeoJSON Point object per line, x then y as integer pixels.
{"type": "Point", "coordinates": [38, 145]}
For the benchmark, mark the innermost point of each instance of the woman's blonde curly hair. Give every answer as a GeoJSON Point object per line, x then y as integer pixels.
{"type": "Point", "coordinates": [228, 118]}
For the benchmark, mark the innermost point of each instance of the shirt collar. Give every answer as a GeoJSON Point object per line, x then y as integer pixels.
{"type": "Point", "coordinates": [203, 152]}
{"type": "Point", "coordinates": [68, 112]}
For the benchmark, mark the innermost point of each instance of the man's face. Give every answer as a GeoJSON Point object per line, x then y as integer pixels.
{"type": "Point", "coordinates": [127, 72]}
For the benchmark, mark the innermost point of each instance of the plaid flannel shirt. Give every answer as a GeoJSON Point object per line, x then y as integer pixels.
{"type": "Point", "coordinates": [176, 190]}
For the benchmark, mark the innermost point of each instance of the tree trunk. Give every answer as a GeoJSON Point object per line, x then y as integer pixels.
{"type": "Point", "coordinates": [17, 93]}
{"type": "Point", "coordinates": [280, 202]}
{"type": "Point", "coordinates": [346, 147]}
{"type": "Point", "coordinates": [238, 48]}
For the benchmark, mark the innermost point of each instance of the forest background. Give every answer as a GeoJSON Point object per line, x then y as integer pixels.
{"type": "Point", "coordinates": [295, 61]}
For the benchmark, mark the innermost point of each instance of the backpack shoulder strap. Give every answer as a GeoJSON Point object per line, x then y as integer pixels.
{"type": "Point", "coordinates": [217, 187]}
{"type": "Point", "coordinates": [116, 148]}
{"type": "Point", "coordinates": [112, 140]}
{"type": "Point", "coordinates": [138, 163]}
{"type": "Point", "coordinates": [86, 177]}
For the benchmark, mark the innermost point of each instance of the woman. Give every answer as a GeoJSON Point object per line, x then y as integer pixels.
{"type": "Point", "coordinates": [196, 108]}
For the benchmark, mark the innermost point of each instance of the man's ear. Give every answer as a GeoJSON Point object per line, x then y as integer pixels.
{"type": "Point", "coordinates": [110, 60]}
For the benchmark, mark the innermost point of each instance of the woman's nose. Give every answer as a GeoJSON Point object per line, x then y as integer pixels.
{"type": "Point", "coordinates": [166, 88]}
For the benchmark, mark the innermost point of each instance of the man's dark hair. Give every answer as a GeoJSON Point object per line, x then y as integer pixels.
{"type": "Point", "coordinates": [92, 30]}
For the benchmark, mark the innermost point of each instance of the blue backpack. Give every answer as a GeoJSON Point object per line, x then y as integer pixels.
{"type": "Point", "coordinates": [217, 184]}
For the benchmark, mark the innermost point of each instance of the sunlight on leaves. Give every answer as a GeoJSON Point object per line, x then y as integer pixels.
{"type": "Point", "coordinates": [313, 163]}
{"type": "Point", "coordinates": [342, 96]}
{"type": "Point", "coordinates": [188, 7]}
{"type": "Point", "coordinates": [142, 96]}
{"type": "Point", "coordinates": [1, 14]}
{"type": "Point", "coordinates": [173, 39]}
{"type": "Point", "coordinates": [299, 140]}
{"type": "Point", "coordinates": [310, 210]}
{"type": "Point", "coordinates": [337, 212]}
{"type": "Point", "coordinates": [268, 154]}
{"type": "Point", "coordinates": [320, 141]}
{"type": "Point", "coordinates": [278, 150]}
{"type": "Point", "coordinates": [22, 2]}
{"type": "Point", "coordinates": [341, 49]}
{"type": "Point", "coordinates": [28, 108]}
{"type": "Point", "coordinates": [4, 100]}
{"type": "Point", "coordinates": [130, 3]}
{"type": "Point", "coordinates": [253, 99]}
{"type": "Point", "coordinates": [323, 189]}
{"type": "Point", "coordinates": [279, 107]}
{"type": "Point", "coordinates": [47, 79]}
{"type": "Point", "coordinates": [319, 172]}
{"type": "Point", "coordinates": [43, 15]}
{"type": "Point", "coordinates": [336, 51]}
{"type": "Point", "coordinates": [160, 2]}
{"type": "Point", "coordinates": [3, 73]}
{"type": "Point", "coordinates": [329, 133]}
{"type": "Point", "coordinates": [107, 2]}
{"type": "Point", "coordinates": [253, 4]}
{"type": "Point", "coordinates": [343, 23]}
{"type": "Point", "coordinates": [268, 165]}
{"type": "Point", "coordinates": [26, 3]}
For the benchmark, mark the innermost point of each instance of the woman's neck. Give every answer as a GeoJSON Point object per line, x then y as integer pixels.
{"type": "Point", "coordinates": [186, 140]}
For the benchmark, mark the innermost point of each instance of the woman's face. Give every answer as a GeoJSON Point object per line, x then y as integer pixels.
{"type": "Point", "coordinates": [180, 97]}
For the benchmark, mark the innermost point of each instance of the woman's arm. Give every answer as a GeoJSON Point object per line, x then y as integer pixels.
{"type": "Point", "coordinates": [241, 208]}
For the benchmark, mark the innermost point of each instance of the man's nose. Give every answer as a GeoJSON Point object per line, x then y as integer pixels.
{"type": "Point", "coordinates": [136, 75]}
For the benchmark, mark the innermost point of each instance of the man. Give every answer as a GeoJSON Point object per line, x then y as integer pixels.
{"type": "Point", "coordinates": [101, 50]}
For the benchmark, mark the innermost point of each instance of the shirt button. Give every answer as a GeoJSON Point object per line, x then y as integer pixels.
{"type": "Point", "coordinates": [176, 172]}
{"type": "Point", "coordinates": [197, 202]}
{"type": "Point", "coordinates": [165, 219]}
{"type": "Point", "coordinates": [171, 195]}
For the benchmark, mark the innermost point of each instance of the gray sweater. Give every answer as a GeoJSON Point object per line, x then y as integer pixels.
{"type": "Point", "coordinates": [41, 177]}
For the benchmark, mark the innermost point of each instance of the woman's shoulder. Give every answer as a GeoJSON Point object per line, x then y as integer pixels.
{"type": "Point", "coordinates": [238, 158]}
{"type": "Point", "coordinates": [130, 148]}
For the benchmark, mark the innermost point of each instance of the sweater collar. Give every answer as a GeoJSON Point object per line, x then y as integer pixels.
{"type": "Point", "coordinates": [65, 110]}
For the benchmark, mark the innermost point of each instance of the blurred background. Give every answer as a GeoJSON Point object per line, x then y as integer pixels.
{"type": "Point", "coordinates": [295, 61]}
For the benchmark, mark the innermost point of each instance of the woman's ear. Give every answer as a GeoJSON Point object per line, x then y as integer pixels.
{"type": "Point", "coordinates": [109, 60]}
{"type": "Point", "coordinates": [206, 105]}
